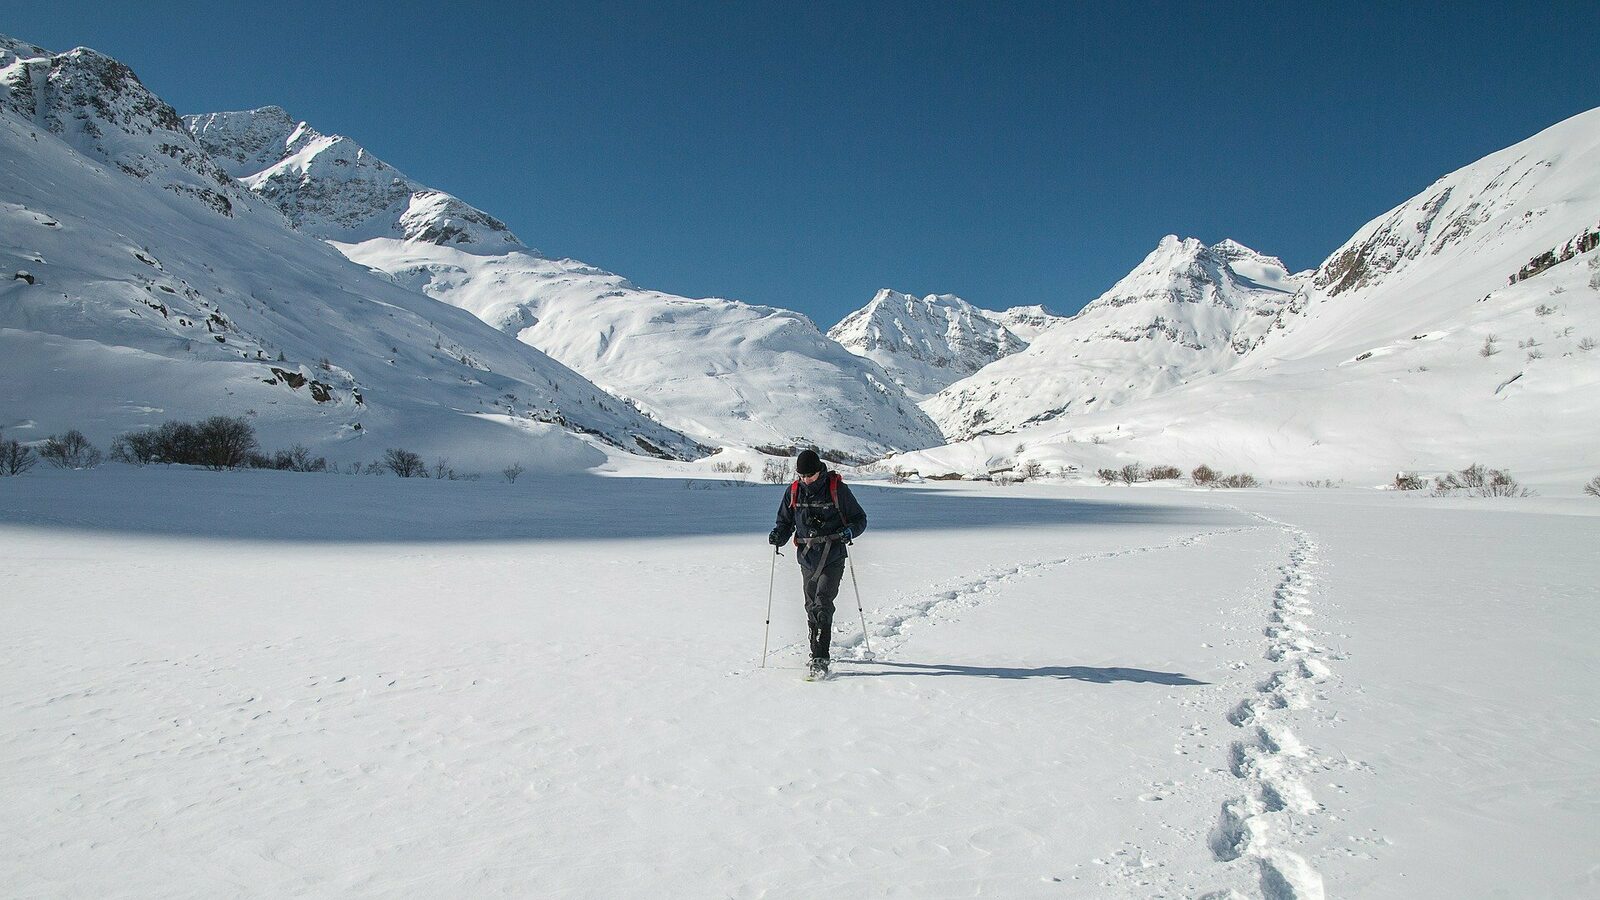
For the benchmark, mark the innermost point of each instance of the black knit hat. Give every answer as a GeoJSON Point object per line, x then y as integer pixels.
{"type": "Point", "coordinates": [807, 463]}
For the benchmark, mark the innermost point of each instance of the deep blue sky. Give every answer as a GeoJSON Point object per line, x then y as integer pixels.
{"type": "Point", "coordinates": [804, 155]}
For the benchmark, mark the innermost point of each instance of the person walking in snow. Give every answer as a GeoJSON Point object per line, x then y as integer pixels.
{"type": "Point", "coordinates": [824, 517]}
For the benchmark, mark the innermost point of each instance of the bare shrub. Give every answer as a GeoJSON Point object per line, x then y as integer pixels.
{"type": "Point", "coordinates": [1543, 309]}
{"type": "Point", "coordinates": [378, 467]}
{"type": "Point", "coordinates": [1593, 487]}
{"type": "Point", "coordinates": [737, 467]}
{"type": "Point", "coordinates": [1586, 344]}
{"type": "Point", "coordinates": [1164, 473]}
{"type": "Point", "coordinates": [900, 476]}
{"type": "Point", "coordinates": [1204, 474]}
{"type": "Point", "coordinates": [1241, 480]}
{"type": "Point", "coordinates": [1488, 349]}
{"type": "Point", "coordinates": [404, 463]}
{"type": "Point", "coordinates": [136, 448]}
{"type": "Point", "coordinates": [298, 459]}
{"type": "Point", "coordinates": [511, 472]}
{"type": "Point", "coordinates": [70, 451]}
{"type": "Point", "coordinates": [1132, 473]}
{"type": "Point", "coordinates": [223, 442]}
{"type": "Point", "coordinates": [1109, 476]}
{"type": "Point", "coordinates": [1029, 471]}
{"type": "Point", "coordinates": [774, 472]}
{"type": "Point", "coordinates": [220, 442]}
{"type": "Point", "coordinates": [1479, 481]}
{"type": "Point", "coordinates": [15, 458]}
{"type": "Point", "coordinates": [1404, 481]}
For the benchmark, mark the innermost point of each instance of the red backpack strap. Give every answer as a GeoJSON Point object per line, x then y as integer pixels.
{"type": "Point", "coordinates": [794, 493]}
{"type": "Point", "coordinates": [834, 480]}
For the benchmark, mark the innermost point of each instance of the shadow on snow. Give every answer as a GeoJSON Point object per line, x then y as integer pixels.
{"type": "Point", "coordinates": [295, 507]}
{"type": "Point", "coordinates": [1095, 674]}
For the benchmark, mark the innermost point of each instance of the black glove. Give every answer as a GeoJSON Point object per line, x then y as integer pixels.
{"type": "Point", "coordinates": [777, 537]}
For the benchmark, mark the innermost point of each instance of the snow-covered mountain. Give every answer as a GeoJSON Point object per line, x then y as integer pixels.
{"type": "Point", "coordinates": [721, 371]}
{"type": "Point", "coordinates": [1187, 310]}
{"type": "Point", "coordinates": [1461, 326]}
{"type": "Point", "coordinates": [928, 343]}
{"type": "Point", "coordinates": [139, 282]}
{"type": "Point", "coordinates": [331, 187]}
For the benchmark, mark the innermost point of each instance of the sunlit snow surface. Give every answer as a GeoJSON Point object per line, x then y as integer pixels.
{"type": "Point", "coordinates": [270, 684]}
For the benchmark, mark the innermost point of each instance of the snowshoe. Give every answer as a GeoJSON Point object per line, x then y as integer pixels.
{"type": "Point", "coordinates": [817, 670]}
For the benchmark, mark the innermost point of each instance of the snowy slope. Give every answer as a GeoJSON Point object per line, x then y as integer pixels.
{"type": "Point", "coordinates": [420, 690]}
{"type": "Point", "coordinates": [1187, 310]}
{"type": "Point", "coordinates": [157, 288]}
{"type": "Point", "coordinates": [722, 371]}
{"type": "Point", "coordinates": [1410, 350]}
{"type": "Point", "coordinates": [927, 343]}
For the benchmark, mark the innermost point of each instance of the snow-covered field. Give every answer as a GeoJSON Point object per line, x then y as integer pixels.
{"type": "Point", "coordinates": [274, 684]}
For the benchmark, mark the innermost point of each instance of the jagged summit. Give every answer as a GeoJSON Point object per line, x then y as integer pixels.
{"type": "Point", "coordinates": [331, 187]}
{"type": "Point", "coordinates": [99, 107]}
{"type": "Point", "coordinates": [926, 343]}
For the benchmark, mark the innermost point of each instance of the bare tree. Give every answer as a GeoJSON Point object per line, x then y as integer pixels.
{"type": "Point", "coordinates": [70, 451]}
{"type": "Point", "coordinates": [511, 472]}
{"type": "Point", "coordinates": [15, 458]}
{"type": "Point", "coordinates": [224, 442]}
{"type": "Point", "coordinates": [1593, 487]}
{"type": "Point", "coordinates": [404, 463]}
{"type": "Point", "coordinates": [1203, 474]}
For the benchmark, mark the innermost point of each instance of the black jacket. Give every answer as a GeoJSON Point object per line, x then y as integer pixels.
{"type": "Point", "coordinates": [817, 516]}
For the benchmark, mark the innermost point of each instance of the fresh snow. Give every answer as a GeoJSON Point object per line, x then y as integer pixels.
{"type": "Point", "coordinates": [274, 684]}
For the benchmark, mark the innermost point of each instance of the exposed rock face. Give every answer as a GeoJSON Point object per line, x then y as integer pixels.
{"type": "Point", "coordinates": [99, 107]}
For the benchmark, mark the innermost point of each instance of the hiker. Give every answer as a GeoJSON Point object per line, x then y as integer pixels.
{"type": "Point", "coordinates": [822, 514]}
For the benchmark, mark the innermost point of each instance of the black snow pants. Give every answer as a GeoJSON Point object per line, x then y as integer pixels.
{"type": "Point", "coordinates": [821, 587]}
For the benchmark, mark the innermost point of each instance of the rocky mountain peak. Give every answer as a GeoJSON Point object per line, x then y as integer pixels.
{"type": "Point", "coordinates": [925, 343]}
{"type": "Point", "coordinates": [98, 106]}
{"type": "Point", "coordinates": [331, 187]}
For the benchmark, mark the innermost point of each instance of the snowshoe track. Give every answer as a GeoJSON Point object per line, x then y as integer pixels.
{"type": "Point", "coordinates": [887, 628]}
{"type": "Point", "coordinates": [1268, 759]}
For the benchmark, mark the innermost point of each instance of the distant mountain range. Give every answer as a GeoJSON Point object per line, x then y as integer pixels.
{"type": "Point", "coordinates": [156, 267]}
{"type": "Point", "coordinates": [1459, 327]}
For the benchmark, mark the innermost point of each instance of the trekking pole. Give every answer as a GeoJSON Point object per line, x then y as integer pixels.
{"type": "Point", "coordinates": [771, 580]}
{"type": "Point", "coordinates": [854, 584]}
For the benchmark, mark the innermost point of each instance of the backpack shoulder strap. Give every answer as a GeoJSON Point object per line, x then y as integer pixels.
{"type": "Point", "coordinates": [794, 493]}
{"type": "Point", "coordinates": [834, 480]}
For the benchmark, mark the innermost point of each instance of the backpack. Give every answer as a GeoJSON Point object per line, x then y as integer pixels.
{"type": "Point", "coordinates": [833, 491]}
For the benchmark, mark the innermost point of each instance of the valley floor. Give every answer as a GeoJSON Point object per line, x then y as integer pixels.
{"type": "Point", "coordinates": [272, 684]}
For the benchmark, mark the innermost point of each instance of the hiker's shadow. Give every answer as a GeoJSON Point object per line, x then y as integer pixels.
{"type": "Point", "coordinates": [1094, 674]}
